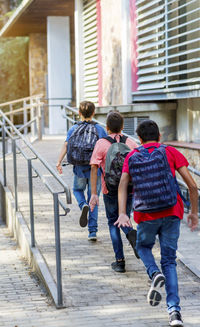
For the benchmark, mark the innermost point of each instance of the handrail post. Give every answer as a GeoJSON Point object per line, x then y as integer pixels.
{"type": "Point", "coordinates": [30, 184]}
{"type": "Point", "coordinates": [11, 114]}
{"type": "Point", "coordinates": [58, 249]}
{"type": "Point", "coordinates": [25, 117]}
{"type": "Point", "coordinates": [4, 153]}
{"type": "Point", "coordinates": [15, 172]}
{"type": "Point", "coordinates": [32, 116]}
{"type": "Point", "coordinates": [39, 120]}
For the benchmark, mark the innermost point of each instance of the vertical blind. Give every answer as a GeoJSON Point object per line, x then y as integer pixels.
{"type": "Point", "coordinates": [168, 45]}
{"type": "Point", "coordinates": [90, 60]}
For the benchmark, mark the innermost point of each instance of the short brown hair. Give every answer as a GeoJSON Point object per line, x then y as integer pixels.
{"type": "Point", "coordinates": [114, 121]}
{"type": "Point", "coordinates": [86, 109]}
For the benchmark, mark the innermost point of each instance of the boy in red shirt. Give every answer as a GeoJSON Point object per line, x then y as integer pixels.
{"type": "Point", "coordinates": [164, 223]}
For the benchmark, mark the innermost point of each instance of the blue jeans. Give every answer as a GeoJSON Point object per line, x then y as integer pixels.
{"type": "Point", "coordinates": [168, 230]}
{"type": "Point", "coordinates": [79, 187]}
{"type": "Point", "coordinates": [111, 206]}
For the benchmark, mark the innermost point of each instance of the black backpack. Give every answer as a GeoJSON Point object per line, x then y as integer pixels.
{"type": "Point", "coordinates": [114, 162]}
{"type": "Point", "coordinates": [81, 143]}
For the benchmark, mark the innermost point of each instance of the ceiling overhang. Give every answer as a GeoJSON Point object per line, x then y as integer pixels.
{"type": "Point", "coordinates": [31, 15]}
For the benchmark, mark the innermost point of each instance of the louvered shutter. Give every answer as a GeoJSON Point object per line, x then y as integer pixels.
{"type": "Point", "coordinates": [131, 124]}
{"type": "Point", "coordinates": [168, 46]}
{"type": "Point", "coordinates": [90, 60]}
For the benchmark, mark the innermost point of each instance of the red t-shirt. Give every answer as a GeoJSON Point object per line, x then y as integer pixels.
{"type": "Point", "coordinates": [176, 160]}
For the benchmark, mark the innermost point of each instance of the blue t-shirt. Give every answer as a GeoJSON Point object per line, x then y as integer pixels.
{"type": "Point", "coordinates": [84, 171]}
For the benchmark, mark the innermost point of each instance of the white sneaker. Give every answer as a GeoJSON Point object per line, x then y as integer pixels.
{"type": "Point", "coordinates": [175, 319]}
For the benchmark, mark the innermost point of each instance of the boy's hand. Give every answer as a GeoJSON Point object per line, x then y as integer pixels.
{"type": "Point", "coordinates": [123, 220]}
{"type": "Point", "coordinates": [94, 200]}
{"type": "Point", "coordinates": [59, 168]}
{"type": "Point", "coordinates": [192, 220]}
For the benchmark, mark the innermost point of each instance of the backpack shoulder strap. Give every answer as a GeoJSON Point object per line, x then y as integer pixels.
{"type": "Point", "coordinates": [123, 138]}
{"type": "Point", "coordinates": [110, 139]}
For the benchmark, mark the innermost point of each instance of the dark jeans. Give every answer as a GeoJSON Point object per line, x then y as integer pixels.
{"type": "Point", "coordinates": [167, 229]}
{"type": "Point", "coordinates": [111, 206]}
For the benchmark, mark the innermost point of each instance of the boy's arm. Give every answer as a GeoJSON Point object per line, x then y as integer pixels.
{"type": "Point", "coordinates": [123, 219]}
{"type": "Point", "coordinates": [60, 158]}
{"type": "Point", "coordinates": [192, 217]}
{"type": "Point", "coordinates": [94, 200]}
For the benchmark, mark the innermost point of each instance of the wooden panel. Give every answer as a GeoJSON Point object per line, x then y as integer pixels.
{"type": "Point", "coordinates": [33, 19]}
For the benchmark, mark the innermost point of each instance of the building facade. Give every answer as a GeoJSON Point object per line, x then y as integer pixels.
{"type": "Point", "coordinates": [141, 56]}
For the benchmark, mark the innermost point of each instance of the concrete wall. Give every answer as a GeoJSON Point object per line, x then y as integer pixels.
{"type": "Point", "coordinates": [111, 51]}
{"type": "Point", "coordinates": [188, 120]}
{"type": "Point", "coordinates": [164, 114]}
{"type": "Point", "coordinates": [38, 67]}
{"type": "Point", "coordinates": [37, 63]}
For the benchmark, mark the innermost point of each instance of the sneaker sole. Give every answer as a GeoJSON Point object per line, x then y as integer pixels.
{"type": "Point", "coordinates": [83, 218]}
{"type": "Point", "coordinates": [93, 239]}
{"type": "Point", "coordinates": [118, 271]}
{"type": "Point", "coordinates": [176, 323]}
{"type": "Point", "coordinates": [154, 297]}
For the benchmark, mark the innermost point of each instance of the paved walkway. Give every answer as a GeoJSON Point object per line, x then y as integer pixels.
{"type": "Point", "coordinates": [94, 294]}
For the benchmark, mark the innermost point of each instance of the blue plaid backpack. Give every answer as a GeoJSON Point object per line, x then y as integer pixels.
{"type": "Point", "coordinates": [81, 143]}
{"type": "Point", "coordinates": [155, 189]}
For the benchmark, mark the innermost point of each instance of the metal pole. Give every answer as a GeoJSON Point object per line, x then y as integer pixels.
{"type": "Point", "coordinates": [25, 117]}
{"type": "Point", "coordinates": [4, 154]}
{"type": "Point", "coordinates": [30, 183]}
{"type": "Point", "coordinates": [39, 120]}
{"type": "Point", "coordinates": [58, 248]}
{"type": "Point", "coordinates": [15, 172]}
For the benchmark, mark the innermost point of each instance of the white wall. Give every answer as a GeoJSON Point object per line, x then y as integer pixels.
{"type": "Point", "coordinates": [188, 120]}
{"type": "Point", "coordinates": [59, 70]}
{"type": "Point", "coordinates": [126, 53]}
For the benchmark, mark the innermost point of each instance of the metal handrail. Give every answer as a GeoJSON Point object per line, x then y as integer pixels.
{"type": "Point", "coordinates": [15, 135]}
{"type": "Point", "coordinates": [75, 111]}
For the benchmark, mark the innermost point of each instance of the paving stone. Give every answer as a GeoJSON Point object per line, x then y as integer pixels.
{"type": "Point", "coordinates": [100, 297]}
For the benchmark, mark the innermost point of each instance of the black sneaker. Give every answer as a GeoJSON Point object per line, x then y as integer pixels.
{"type": "Point", "coordinates": [154, 297]}
{"type": "Point", "coordinates": [119, 266]}
{"type": "Point", "coordinates": [84, 214]}
{"type": "Point", "coordinates": [175, 319]}
{"type": "Point", "coordinates": [131, 237]}
{"type": "Point", "coordinates": [92, 236]}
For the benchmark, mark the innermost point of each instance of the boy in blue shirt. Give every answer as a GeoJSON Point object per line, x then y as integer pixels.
{"type": "Point", "coordinates": [82, 173]}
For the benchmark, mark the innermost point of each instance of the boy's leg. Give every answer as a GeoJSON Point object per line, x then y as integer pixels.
{"type": "Point", "coordinates": [131, 234]}
{"type": "Point", "coordinates": [78, 190]}
{"type": "Point", "coordinates": [111, 207]}
{"type": "Point", "coordinates": [93, 215]}
{"type": "Point", "coordinates": [146, 236]}
{"type": "Point", "coordinates": [168, 237]}
{"type": "Point", "coordinates": [79, 187]}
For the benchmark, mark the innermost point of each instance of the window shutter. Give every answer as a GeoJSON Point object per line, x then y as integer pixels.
{"type": "Point", "coordinates": [89, 18]}
{"type": "Point", "coordinates": [168, 46]}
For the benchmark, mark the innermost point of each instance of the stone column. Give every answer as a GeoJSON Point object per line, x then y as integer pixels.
{"type": "Point", "coordinates": [38, 67]}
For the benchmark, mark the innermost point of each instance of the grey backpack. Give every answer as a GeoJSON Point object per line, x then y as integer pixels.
{"type": "Point", "coordinates": [114, 162]}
